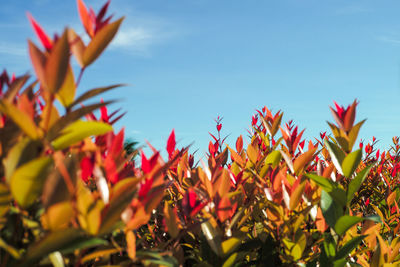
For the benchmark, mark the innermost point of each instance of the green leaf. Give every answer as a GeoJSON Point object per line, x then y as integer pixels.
{"type": "Point", "coordinates": [100, 41]}
{"type": "Point", "coordinates": [22, 152]}
{"type": "Point", "coordinates": [24, 122]}
{"type": "Point", "coordinates": [355, 183]}
{"type": "Point", "coordinates": [54, 241]}
{"type": "Point", "coordinates": [349, 247]}
{"type": "Point", "coordinates": [229, 245]}
{"type": "Point", "coordinates": [92, 93]}
{"type": "Point", "coordinates": [351, 162]}
{"type": "Point", "coordinates": [84, 244]}
{"type": "Point", "coordinates": [273, 158]}
{"type": "Point", "coordinates": [57, 64]}
{"type": "Point", "coordinates": [66, 94]}
{"type": "Point", "coordinates": [338, 194]}
{"type": "Point", "coordinates": [212, 237]}
{"type": "Point", "coordinates": [27, 181]}
{"type": "Point", "coordinates": [345, 222]}
{"type": "Point", "coordinates": [71, 117]}
{"type": "Point", "coordinates": [329, 246]}
{"type": "Point", "coordinates": [78, 131]}
{"type": "Point", "coordinates": [354, 133]}
{"type": "Point", "coordinates": [231, 260]}
{"type": "Point", "coordinates": [331, 210]}
{"type": "Point", "coordinates": [337, 155]}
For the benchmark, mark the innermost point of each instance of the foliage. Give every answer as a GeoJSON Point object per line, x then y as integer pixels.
{"type": "Point", "coordinates": [71, 192]}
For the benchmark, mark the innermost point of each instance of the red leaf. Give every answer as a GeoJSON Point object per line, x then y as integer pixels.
{"type": "Point", "coordinates": [111, 169]}
{"type": "Point", "coordinates": [117, 144]}
{"type": "Point", "coordinates": [87, 166]}
{"type": "Point", "coordinates": [219, 126]}
{"type": "Point", "coordinates": [86, 19]}
{"type": "Point", "coordinates": [171, 143]}
{"type": "Point", "coordinates": [145, 188]}
{"type": "Point", "coordinates": [43, 37]}
{"type": "Point", "coordinates": [145, 164]}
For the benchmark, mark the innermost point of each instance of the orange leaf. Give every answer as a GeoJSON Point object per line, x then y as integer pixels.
{"type": "Point", "coordinates": [77, 46]}
{"type": "Point", "coordinates": [131, 244]}
{"type": "Point", "coordinates": [100, 41]}
{"type": "Point", "coordinates": [236, 157]}
{"type": "Point", "coordinates": [171, 220]}
{"type": "Point", "coordinates": [38, 60]}
{"type": "Point", "coordinates": [303, 160]}
{"type": "Point", "coordinates": [57, 64]}
{"type": "Point", "coordinates": [295, 197]}
{"type": "Point", "coordinates": [391, 198]}
{"type": "Point", "coordinates": [85, 18]}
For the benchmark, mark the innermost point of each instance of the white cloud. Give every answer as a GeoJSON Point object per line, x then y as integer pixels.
{"type": "Point", "coordinates": [389, 39]}
{"type": "Point", "coordinates": [136, 38]}
{"type": "Point", "coordinates": [140, 34]}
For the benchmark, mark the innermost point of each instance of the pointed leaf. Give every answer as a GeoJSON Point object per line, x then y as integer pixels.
{"type": "Point", "coordinates": [351, 162]}
{"type": "Point", "coordinates": [355, 183]}
{"type": "Point", "coordinates": [229, 245]}
{"type": "Point", "coordinates": [77, 46]}
{"type": "Point", "coordinates": [54, 241]}
{"type": "Point", "coordinates": [78, 131]}
{"type": "Point", "coordinates": [100, 41]}
{"type": "Point", "coordinates": [57, 64]}
{"type": "Point", "coordinates": [71, 117]}
{"type": "Point", "coordinates": [273, 158]}
{"type": "Point", "coordinates": [337, 155]}
{"type": "Point", "coordinates": [295, 197]}
{"type": "Point", "coordinates": [303, 160]}
{"type": "Point", "coordinates": [66, 94]}
{"type": "Point", "coordinates": [346, 222]}
{"type": "Point", "coordinates": [24, 122]}
{"type": "Point", "coordinates": [27, 181]}
{"type": "Point", "coordinates": [41, 34]}
{"type": "Point", "coordinates": [349, 247]}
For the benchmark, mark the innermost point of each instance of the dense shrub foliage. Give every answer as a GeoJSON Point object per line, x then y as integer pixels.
{"type": "Point", "coordinates": [72, 194]}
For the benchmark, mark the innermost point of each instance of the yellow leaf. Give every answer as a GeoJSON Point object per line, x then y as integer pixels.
{"type": "Point", "coordinates": [131, 244]}
{"type": "Point", "coordinates": [57, 216]}
{"type": "Point", "coordinates": [66, 94]}
{"type": "Point", "coordinates": [24, 122]}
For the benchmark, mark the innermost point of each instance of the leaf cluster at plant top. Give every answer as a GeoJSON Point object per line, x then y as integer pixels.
{"type": "Point", "coordinates": [72, 194]}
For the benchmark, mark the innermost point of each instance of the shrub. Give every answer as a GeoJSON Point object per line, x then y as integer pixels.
{"type": "Point", "coordinates": [72, 195]}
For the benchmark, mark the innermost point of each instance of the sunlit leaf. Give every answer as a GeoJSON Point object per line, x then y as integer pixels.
{"type": "Point", "coordinates": [79, 130]}
{"type": "Point", "coordinates": [57, 64]}
{"type": "Point", "coordinates": [346, 222]}
{"type": "Point", "coordinates": [337, 155]}
{"type": "Point", "coordinates": [27, 181]}
{"type": "Point", "coordinates": [273, 158]}
{"type": "Point", "coordinates": [23, 121]}
{"type": "Point", "coordinates": [355, 183]}
{"type": "Point", "coordinates": [77, 46]}
{"type": "Point", "coordinates": [66, 94]}
{"type": "Point", "coordinates": [295, 197]}
{"type": "Point", "coordinates": [351, 162]}
{"type": "Point", "coordinates": [303, 160]}
{"type": "Point", "coordinates": [100, 41]}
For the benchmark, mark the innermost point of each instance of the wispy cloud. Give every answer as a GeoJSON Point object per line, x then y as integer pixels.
{"type": "Point", "coordinates": [140, 34]}
{"type": "Point", "coordinates": [389, 39]}
{"type": "Point", "coordinates": [12, 49]}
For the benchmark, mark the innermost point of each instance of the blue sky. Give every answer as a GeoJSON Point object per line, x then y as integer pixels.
{"type": "Point", "coordinates": [186, 62]}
